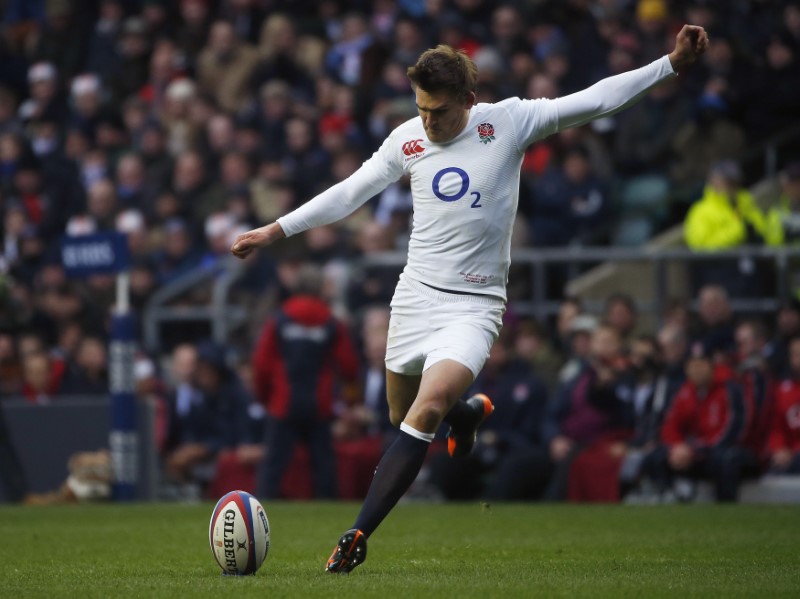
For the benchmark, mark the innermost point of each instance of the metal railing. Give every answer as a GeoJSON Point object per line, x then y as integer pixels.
{"type": "Point", "coordinates": [220, 313]}
{"type": "Point", "coordinates": [541, 306]}
{"type": "Point", "coordinates": [224, 315]}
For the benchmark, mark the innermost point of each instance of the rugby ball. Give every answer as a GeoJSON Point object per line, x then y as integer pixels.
{"type": "Point", "coordinates": [239, 533]}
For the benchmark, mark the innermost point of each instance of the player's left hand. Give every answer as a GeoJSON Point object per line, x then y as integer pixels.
{"type": "Point", "coordinates": [690, 43]}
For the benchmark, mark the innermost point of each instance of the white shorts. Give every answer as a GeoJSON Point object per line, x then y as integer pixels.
{"type": "Point", "coordinates": [428, 326]}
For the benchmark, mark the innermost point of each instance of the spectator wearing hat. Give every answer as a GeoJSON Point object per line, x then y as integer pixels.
{"type": "Point", "coordinates": [725, 217]}
{"type": "Point", "coordinates": [784, 436]}
{"type": "Point", "coordinates": [44, 98]}
{"type": "Point", "coordinates": [301, 355]}
{"type": "Point", "coordinates": [576, 343]}
{"type": "Point", "coordinates": [86, 103]}
{"type": "Point", "coordinates": [702, 430]}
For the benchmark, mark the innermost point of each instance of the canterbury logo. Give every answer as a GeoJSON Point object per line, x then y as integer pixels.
{"type": "Point", "coordinates": [412, 147]}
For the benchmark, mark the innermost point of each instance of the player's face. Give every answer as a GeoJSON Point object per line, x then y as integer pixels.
{"type": "Point", "coordinates": [443, 116]}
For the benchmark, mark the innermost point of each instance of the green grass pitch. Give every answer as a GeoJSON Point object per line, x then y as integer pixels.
{"type": "Point", "coordinates": [422, 550]}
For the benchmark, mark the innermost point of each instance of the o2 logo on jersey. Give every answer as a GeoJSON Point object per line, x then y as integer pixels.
{"type": "Point", "coordinates": [447, 195]}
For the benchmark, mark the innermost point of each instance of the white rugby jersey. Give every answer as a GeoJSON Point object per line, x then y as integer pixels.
{"type": "Point", "coordinates": [465, 191]}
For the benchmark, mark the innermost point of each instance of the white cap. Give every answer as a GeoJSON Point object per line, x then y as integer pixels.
{"type": "Point", "coordinates": [181, 89]}
{"type": "Point", "coordinates": [81, 224]}
{"type": "Point", "coordinates": [41, 71]}
{"type": "Point", "coordinates": [88, 83]}
{"type": "Point", "coordinates": [218, 224]}
{"type": "Point", "coordinates": [130, 221]}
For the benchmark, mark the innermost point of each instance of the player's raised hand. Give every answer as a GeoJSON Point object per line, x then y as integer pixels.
{"type": "Point", "coordinates": [690, 43]}
{"type": "Point", "coordinates": [245, 243]}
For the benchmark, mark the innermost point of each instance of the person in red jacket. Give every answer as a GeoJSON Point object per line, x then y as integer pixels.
{"type": "Point", "coordinates": [784, 437]}
{"type": "Point", "coordinates": [703, 428]}
{"type": "Point", "coordinates": [301, 353]}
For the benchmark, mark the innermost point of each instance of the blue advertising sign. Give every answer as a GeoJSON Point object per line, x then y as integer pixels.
{"type": "Point", "coordinates": [98, 253]}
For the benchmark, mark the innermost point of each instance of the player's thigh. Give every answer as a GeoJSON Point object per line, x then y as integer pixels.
{"type": "Point", "coordinates": [441, 386]}
{"type": "Point", "coordinates": [401, 391]}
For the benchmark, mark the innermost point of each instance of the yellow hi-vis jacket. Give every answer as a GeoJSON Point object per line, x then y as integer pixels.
{"type": "Point", "coordinates": [714, 223]}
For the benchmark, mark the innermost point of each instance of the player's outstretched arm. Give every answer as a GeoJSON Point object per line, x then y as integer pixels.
{"type": "Point", "coordinates": [690, 43]}
{"type": "Point", "coordinates": [246, 243]}
{"type": "Point", "coordinates": [613, 94]}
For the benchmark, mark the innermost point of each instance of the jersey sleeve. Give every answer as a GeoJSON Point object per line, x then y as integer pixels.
{"type": "Point", "coordinates": [536, 119]}
{"type": "Point", "coordinates": [342, 199]}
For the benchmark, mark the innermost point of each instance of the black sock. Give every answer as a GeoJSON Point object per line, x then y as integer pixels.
{"type": "Point", "coordinates": [396, 471]}
{"type": "Point", "coordinates": [460, 416]}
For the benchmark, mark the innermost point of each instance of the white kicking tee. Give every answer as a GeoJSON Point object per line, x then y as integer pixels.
{"type": "Point", "coordinates": [465, 191]}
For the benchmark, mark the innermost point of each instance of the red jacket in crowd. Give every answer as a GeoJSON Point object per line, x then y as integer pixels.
{"type": "Point", "coordinates": [706, 422]}
{"type": "Point", "coordinates": [785, 431]}
{"type": "Point", "coordinates": [299, 356]}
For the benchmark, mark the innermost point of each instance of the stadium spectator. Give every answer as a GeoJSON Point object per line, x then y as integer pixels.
{"type": "Point", "coordinates": [701, 432]}
{"type": "Point", "coordinates": [224, 67]}
{"type": "Point", "coordinates": [606, 469]}
{"type": "Point", "coordinates": [725, 217]}
{"type": "Point", "coordinates": [302, 352]}
{"type": "Point", "coordinates": [578, 346]}
{"type": "Point", "coordinates": [715, 326]}
{"type": "Point", "coordinates": [620, 311]}
{"type": "Point", "coordinates": [42, 377]}
{"type": "Point", "coordinates": [787, 327]}
{"type": "Point", "coordinates": [177, 256]}
{"type": "Point", "coordinates": [589, 411]}
{"type": "Point", "coordinates": [88, 372]}
{"type": "Point", "coordinates": [753, 374]}
{"type": "Point", "coordinates": [570, 203]}
{"type": "Point", "coordinates": [784, 436]}
{"type": "Point", "coordinates": [208, 413]}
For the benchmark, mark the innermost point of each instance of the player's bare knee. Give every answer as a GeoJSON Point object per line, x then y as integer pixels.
{"type": "Point", "coordinates": [431, 415]}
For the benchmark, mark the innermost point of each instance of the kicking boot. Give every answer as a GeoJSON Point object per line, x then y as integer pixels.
{"type": "Point", "coordinates": [459, 443]}
{"type": "Point", "coordinates": [349, 552]}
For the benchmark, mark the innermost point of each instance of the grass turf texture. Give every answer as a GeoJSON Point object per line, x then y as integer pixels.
{"type": "Point", "coordinates": [422, 550]}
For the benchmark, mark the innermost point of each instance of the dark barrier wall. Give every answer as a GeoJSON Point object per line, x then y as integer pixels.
{"type": "Point", "coordinates": [45, 436]}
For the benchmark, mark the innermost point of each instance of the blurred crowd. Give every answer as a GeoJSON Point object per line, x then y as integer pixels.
{"type": "Point", "coordinates": [181, 123]}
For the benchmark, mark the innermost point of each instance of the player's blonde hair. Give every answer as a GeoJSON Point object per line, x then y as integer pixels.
{"type": "Point", "coordinates": [444, 69]}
